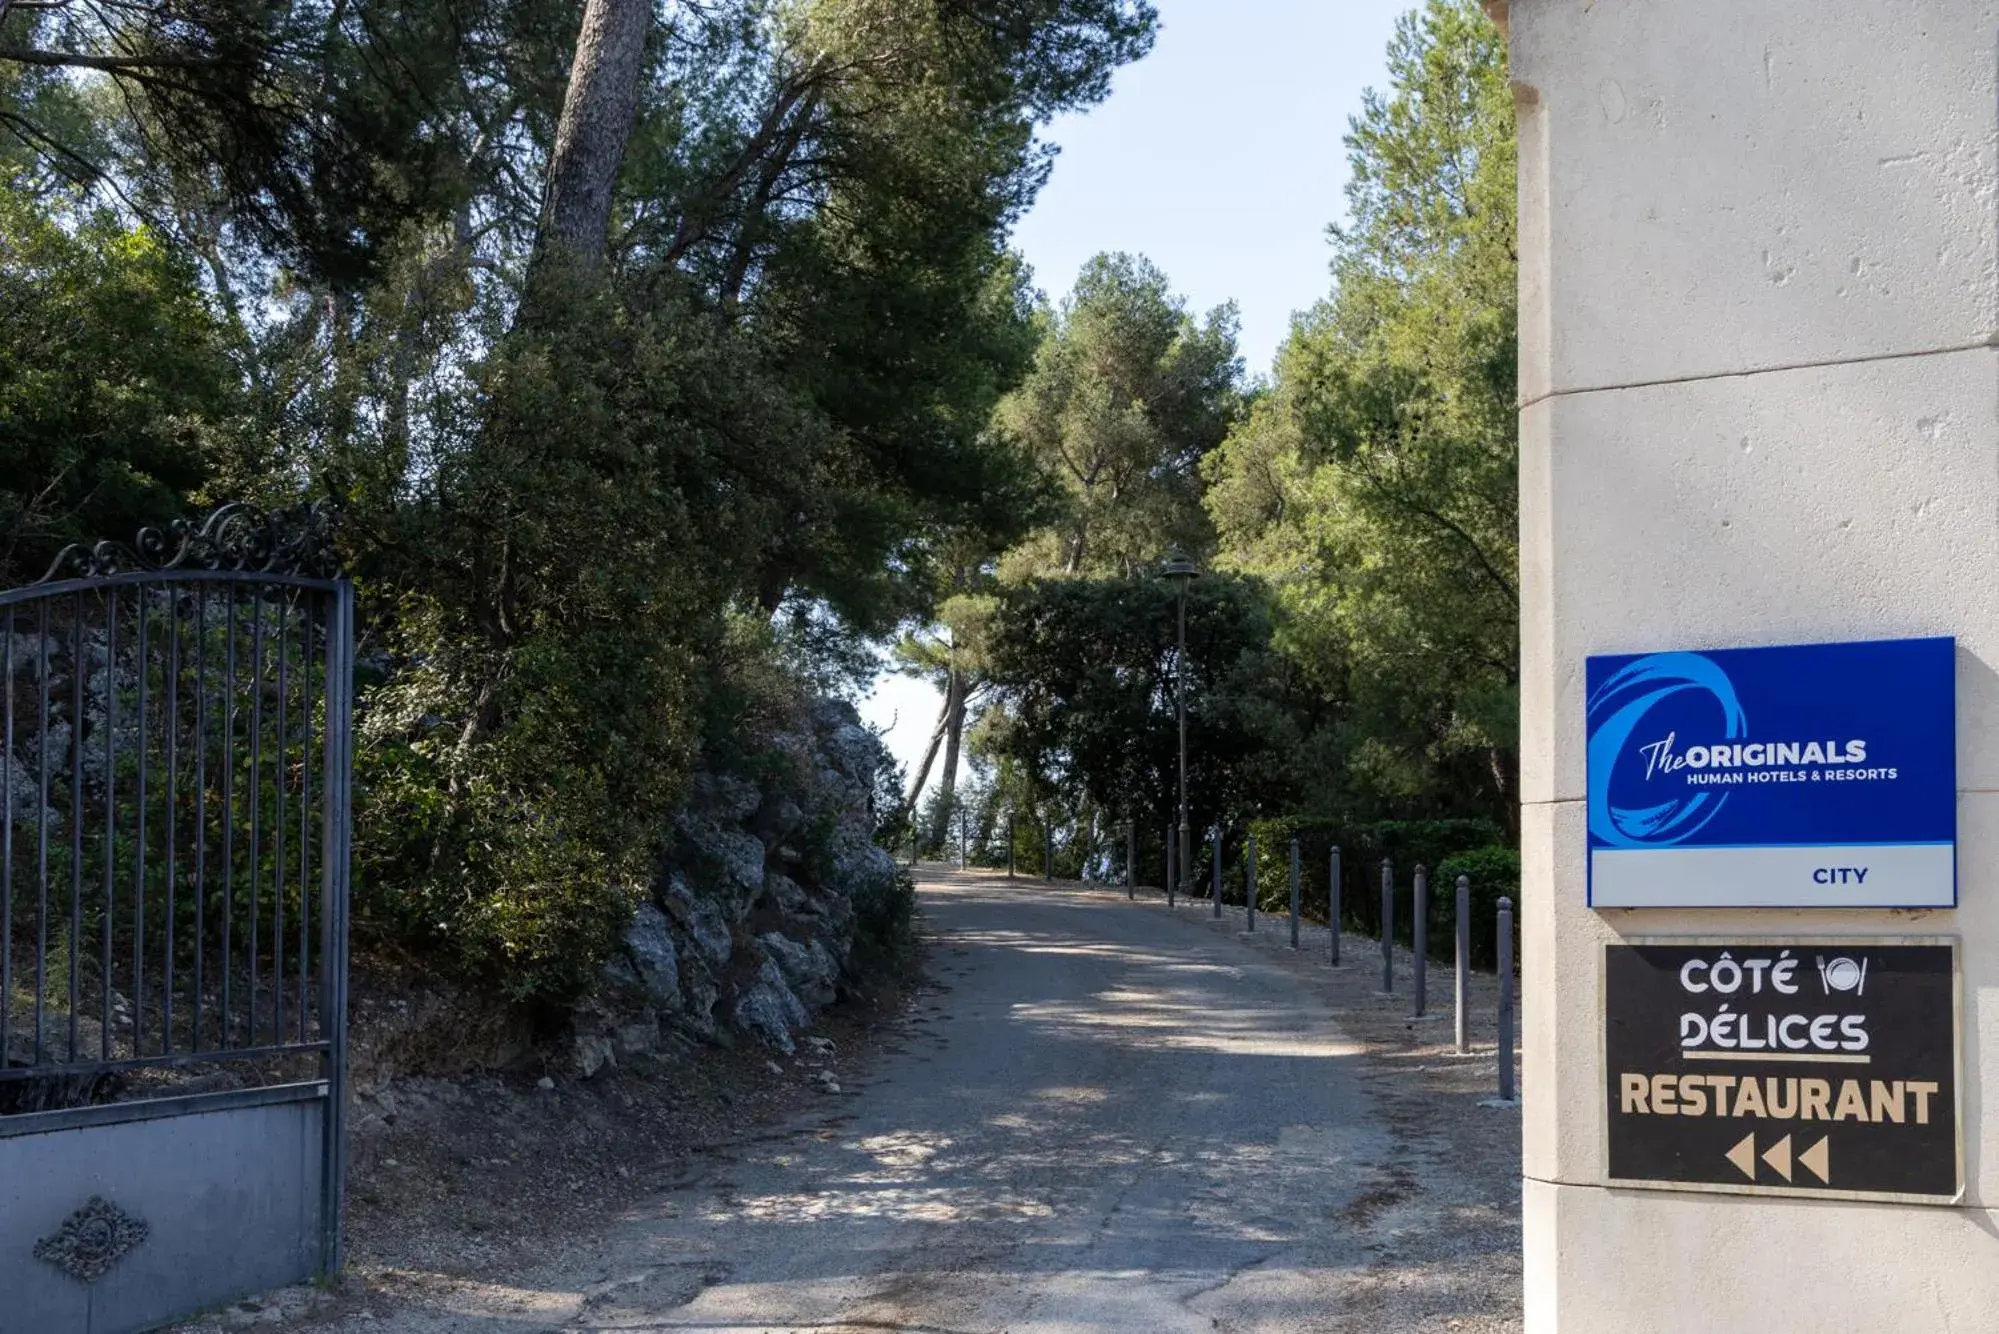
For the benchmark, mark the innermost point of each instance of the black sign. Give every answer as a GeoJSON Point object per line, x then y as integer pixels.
{"type": "Point", "coordinates": [1805, 1067]}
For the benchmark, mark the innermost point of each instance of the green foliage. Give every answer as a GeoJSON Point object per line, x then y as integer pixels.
{"type": "Point", "coordinates": [117, 398]}
{"type": "Point", "coordinates": [1084, 673]}
{"type": "Point", "coordinates": [610, 525]}
{"type": "Point", "coordinates": [607, 524]}
{"type": "Point", "coordinates": [1374, 487]}
{"type": "Point", "coordinates": [1127, 394]}
{"type": "Point", "coordinates": [885, 939]}
{"type": "Point", "coordinates": [1368, 495]}
{"type": "Point", "coordinates": [546, 701]}
{"type": "Point", "coordinates": [1495, 874]}
{"type": "Point", "coordinates": [312, 129]}
{"type": "Point", "coordinates": [893, 826]}
{"type": "Point", "coordinates": [1425, 842]}
{"type": "Point", "coordinates": [604, 515]}
{"type": "Point", "coordinates": [1446, 848]}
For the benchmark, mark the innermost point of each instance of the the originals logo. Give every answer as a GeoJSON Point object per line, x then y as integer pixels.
{"type": "Point", "coordinates": [1616, 710]}
{"type": "Point", "coordinates": [1661, 758]}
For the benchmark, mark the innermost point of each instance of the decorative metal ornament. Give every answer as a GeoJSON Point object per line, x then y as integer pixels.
{"type": "Point", "coordinates": [93, 1240]}
{"type": "Point", "coordinates": [236, 538]}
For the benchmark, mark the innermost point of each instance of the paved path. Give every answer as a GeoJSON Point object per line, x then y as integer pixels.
{"type": "Point", "coordinates": [1101, 1119]}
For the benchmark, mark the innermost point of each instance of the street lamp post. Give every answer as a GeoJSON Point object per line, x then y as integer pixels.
{"type": "Point", "coordinates": [1181, 571]}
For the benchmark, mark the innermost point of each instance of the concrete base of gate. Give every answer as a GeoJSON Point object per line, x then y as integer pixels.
{"type": "Point", "coordinates": [212, 1198]}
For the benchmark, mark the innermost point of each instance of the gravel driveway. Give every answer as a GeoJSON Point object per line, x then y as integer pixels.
{"type": "Point", "coordinates": [1100, 1116]}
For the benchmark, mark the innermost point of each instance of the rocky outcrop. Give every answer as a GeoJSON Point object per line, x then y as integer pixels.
{"type": "Point", "coordinates": [751, 924]}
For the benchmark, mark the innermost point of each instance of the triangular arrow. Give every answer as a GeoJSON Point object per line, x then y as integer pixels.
{"type": "Point", "coordinates": [1743, 1156]}
{"type": "Point", "coordinates": [1817, 1158]}
{"type": "Point", "coordinates": [1778, 1155]}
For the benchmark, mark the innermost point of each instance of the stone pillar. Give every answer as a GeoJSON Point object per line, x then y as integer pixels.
{"type": "Point", "coordinates": [1759, 288]}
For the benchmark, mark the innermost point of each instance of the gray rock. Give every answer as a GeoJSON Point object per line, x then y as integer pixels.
{"type": "Point", "coordinates": [769, 1009]}
{"type": "Point", "coordinates": [728, 863]}
{"type": "Point", "coordinates": [675, 894]}
{"type": "Point", "coordinates": [639, 1037]}
{"type": "Point", "coordinates": [700, 922]}
{"type": "Point", "coordinates": [791, 849]}
{"type": "Point", "coordinates": [30, 654]}
{"type": "Point", "coordinates": [619, 975]}
{"type": "Point", "coordinates": [778, 819]}
{"type": "Point", "coordinates": [101, 683]}
{"type": "Point", "coordinates": [843, 738]}
{"type": "Point", "coordinates": [591, 1052]}
{"type": "Point", "coordinates": [650, 940]}
{"type": "Point", "coordinates": [701, 994]}
{"type": "Point", "coordinates": [24, 793]}
{"type": "Point", "coordinates": [812, 974]}
{"type": "Point", "coordinates": [826, 965]}
{"type": "Point", "coordinates": [861, 869]}
{"type": "Point", "coordinates": [711, 933]}
{"type": "Point", "coordinates": [724, 798]}
{"type": "Point", "coordinates": [784, 894]}
{"type": "Point", "coordinates": [54, 749]}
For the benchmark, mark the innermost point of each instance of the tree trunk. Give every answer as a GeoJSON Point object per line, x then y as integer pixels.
{"type": "Point", "coordinates": [954, 731]}
{"type": "Point", "coordinates": [597, 116]}
{"type": "Point", "coordinates": [929, 758]}
{"type": "Point", "coordinates": [1072, 562]}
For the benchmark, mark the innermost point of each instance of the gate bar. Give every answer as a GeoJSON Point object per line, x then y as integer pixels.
{"type": "Point", "coordinates": [338, 738]}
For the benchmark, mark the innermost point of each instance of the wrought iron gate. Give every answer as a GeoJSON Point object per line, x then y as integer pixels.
{"type": "Point", "coordinates": [174, 811]}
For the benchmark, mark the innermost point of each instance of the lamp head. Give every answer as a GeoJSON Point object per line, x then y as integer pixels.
{"type": "Point", "coordinates": [1178, 567]}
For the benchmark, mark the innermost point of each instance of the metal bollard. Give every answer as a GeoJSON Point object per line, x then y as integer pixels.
{"type": "Point", "coordinates": [1387, 926]}
{"type": "Point", "coordinates": [1216, 888]}
{"type": "Point", "coordinates": [1506, 999]}
{"type": "Point", "coordinates": [1463, 985]}
{"type": "Point", "coordinates": [1294, 893]}
{"type": "Point", "coordinates": [1419, 935]}
{"type": "Point", "coordinates": [1249, 879]}
{"type": "Point", "coordinates": [1333, 904]}
{"type": "Point", "coordinates": [1131, 859]}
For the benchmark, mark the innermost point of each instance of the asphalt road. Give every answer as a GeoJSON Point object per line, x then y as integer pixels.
{"type": "Point", "coordinates": [1099, 1118]}
{"type": "Point", "coordinates": [1105, 1121]}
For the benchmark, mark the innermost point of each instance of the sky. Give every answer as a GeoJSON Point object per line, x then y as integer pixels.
{"type": "Point", "coordinates": [1218, 157]}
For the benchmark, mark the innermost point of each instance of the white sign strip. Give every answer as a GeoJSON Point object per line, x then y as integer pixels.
{"type": "Point", "coordinates": [1920, 875]}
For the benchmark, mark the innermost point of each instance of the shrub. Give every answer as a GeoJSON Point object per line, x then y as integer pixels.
{"type": "Point", "coordinates": [1448, 848]}
{"type": "Point", "coordinates": [1495, 874]}
{"type": "Point", "coordinates": [885, 940]}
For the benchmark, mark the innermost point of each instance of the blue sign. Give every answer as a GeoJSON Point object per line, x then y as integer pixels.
{"type": "Point", "coordinates": [1816, 775]}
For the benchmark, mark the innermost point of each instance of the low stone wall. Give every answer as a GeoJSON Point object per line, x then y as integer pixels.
{"type": "Point", "coordinates": [750, 926]}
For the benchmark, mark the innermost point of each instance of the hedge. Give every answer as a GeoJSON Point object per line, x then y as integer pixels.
{"type": "Point", "coordinates": [1449, 848]}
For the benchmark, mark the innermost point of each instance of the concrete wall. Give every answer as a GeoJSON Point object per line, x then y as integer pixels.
{"type": "Point", "coordinates": [230, 1200]}
{"type": "Point", "coordinates": [1760, 404]}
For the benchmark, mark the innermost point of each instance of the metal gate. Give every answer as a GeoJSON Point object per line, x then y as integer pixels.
{"type": "Point", "coordinates": [174, 811]}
